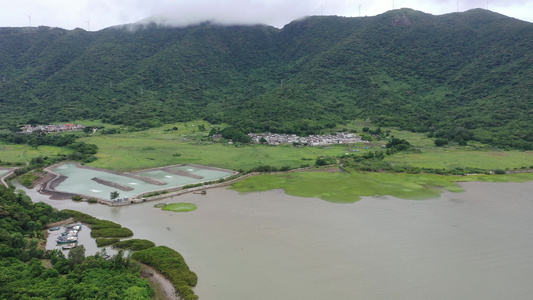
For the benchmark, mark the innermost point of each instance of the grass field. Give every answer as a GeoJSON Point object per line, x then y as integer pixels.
{"type": "Point", "coordinates": [24, 153]}
{"type": "Point", "coordinates": [348, 188]}
{"type": "Point", "coordinates": [463, 157]}
{"type": "Point", "coordinates": [182, 143]}
{"type": "Point", "coordinates": [162, 147]}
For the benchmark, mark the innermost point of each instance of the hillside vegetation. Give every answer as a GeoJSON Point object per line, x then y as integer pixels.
{"type": "Point", "coordinates": [460, 76]}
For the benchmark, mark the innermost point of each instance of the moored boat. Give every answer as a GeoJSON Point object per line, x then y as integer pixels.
{"type": "Point", "coordinates": [54, 228]}
{"type": "Point", "coordinates": [69, 246]}
{"type": "Point", "coordinates": [67, 240]}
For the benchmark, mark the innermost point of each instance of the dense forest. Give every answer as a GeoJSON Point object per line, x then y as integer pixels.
{"type": "Point", "coordinates": [29, 272]}
{"type": "Point", "coordinates": [462, 76]}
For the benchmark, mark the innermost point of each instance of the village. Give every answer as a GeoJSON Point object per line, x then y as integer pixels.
{"type": "Point", "coordinates": [312, 140]}
{"type": "Point", "coordinates": [52, 128]}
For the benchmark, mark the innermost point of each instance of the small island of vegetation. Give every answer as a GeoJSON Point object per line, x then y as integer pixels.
{"type": "Point", "coordinates": [179, 207]}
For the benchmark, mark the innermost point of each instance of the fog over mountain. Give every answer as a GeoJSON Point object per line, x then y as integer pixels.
{"type": "Point", "coordinates": [94, 15]}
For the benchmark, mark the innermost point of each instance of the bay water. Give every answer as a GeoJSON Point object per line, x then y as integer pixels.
{"type": "Point", "coordinates": [475, 244]}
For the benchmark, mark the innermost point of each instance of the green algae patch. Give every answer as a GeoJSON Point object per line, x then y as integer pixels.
{"type": "Point", "coordinates": [180, 207]}
{"type": "Point", "coordinates": [350, 187]}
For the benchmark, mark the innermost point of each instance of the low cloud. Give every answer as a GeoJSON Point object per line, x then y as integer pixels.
{"type": "Point", "coordinates": [105, 13]}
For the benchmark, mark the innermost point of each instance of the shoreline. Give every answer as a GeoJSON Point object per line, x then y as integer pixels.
{"type": "Point", "coordinates": [160, 282]}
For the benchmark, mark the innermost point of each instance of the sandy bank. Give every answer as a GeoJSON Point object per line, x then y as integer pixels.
{"type": "Point", "coordinates": [159, 283]}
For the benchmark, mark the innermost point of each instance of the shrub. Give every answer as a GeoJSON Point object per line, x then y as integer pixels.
{"type": "Point", "coordinates": [188, 186]}
{"type": "Point", "coordinates": [155, 194]}
{"type": "Point", "coordinates": [263, 168]}
{"type": "Point", "coordinates": [77, 198]}
{"type": "Point", "coordinates": [111, 232]}
{"type": "Point", "coordinates": [101, 242]}
{"type": "Point", "coordinates": [28, 179]}
{"type": "Point", "coordinates": [105, 224]}
{"type": "Point", "coordinates": [441, 142]}
{"type": "Point", "coordinates": [92, 201]}
{"type": "Point", "coordinates": [135, 244]}
{"type": "Point", "coordinates": [499, 171]}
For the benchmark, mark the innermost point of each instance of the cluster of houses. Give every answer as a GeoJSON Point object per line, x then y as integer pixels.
{"type": "Point", "coordinates": [312, 140]}
{"type": "Point", "coordinates": [52, 128]}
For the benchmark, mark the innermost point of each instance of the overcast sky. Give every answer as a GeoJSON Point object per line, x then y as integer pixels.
{"type": "Point", "coordinates": [98, 14]}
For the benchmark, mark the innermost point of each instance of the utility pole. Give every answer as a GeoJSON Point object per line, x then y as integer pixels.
{"type": "Point", "coordinates": [29, 18]}
{"type": "Point", "coordinates": [359, 10]}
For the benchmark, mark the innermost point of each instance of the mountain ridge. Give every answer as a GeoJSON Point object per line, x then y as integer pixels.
{"type": "Point", "coordinates": [459, 76]}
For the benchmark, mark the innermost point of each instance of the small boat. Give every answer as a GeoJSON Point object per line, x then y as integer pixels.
{"type": "Point", "coordinates": [69, 246]}
{"type": "Point", "coordinates": [66, 240]}
{"type": "Point", "coordinates": [202, 192]}
{"type": "Point", "coordinates": [54, 228]}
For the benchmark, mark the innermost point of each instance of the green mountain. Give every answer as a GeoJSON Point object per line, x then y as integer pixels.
{"type": "Point", "coordinates": [459, 76]}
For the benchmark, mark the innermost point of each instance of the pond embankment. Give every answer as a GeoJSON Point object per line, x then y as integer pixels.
{"type": "Point", "coordinates": [112, 184]}
{"type": "Point", "coordinates": [6, 173]}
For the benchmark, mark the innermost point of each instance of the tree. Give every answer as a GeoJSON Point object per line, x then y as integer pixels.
{"type": "Point", "coordinates": [33, 143]}
{"type": "Point", "coordinates": [441, 142]}
{"type": "Point", "coordinates": [114, 195]}
{"type": "Point", "coordinates": [77, 255]}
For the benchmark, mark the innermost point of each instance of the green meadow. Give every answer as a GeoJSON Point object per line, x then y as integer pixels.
{"type": "Point", "coordinates": [475, 155]}
{"type": "Point", "coordinates": [450, 158]}
{"type": "Point", "coordinates": [350, 187]}
{"type": "Point", "coordinates": [24, 153]}
{"type": "Point", "coordinates": [163, 146]}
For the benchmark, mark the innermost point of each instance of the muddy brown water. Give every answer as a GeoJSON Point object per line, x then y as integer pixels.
{"type": "Point", "coordinates": [268, 245]}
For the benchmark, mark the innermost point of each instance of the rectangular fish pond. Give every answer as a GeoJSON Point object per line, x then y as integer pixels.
{"type": "Point", "coordinates": [99, 183]}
